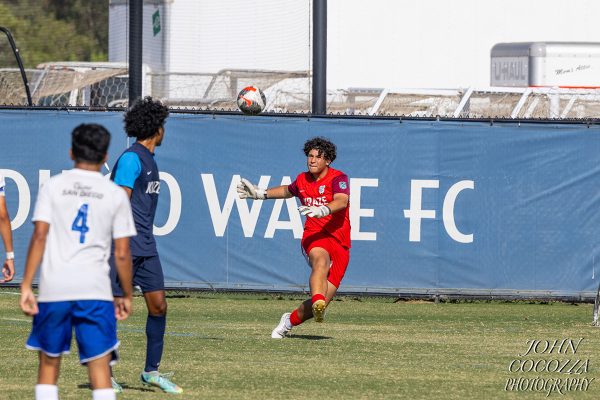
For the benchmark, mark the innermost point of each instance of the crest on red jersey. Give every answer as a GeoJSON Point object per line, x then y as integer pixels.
{"type": "Point", "coordinates": [321, 189]}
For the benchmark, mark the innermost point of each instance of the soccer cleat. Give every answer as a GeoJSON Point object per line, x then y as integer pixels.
{"type": "Point", "coordinates": [117, 388]}
{"type": "Point", "coordinates": [281, 330]}
{"type": "Point", "coordinates": [318, 308]}
{"type": "Point", "coordinates": [162, 381]}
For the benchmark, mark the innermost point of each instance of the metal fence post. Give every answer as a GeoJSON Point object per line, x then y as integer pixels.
{"type": "Point", "coordinates": [319, 78]}
{"type": "Point", "coordinates": [136, 13]}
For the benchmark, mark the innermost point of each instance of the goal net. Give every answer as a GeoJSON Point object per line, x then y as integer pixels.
{"type": "Point", "coordinates": [67, 84]}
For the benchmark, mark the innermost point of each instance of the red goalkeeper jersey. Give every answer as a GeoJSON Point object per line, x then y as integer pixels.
{"type": "Point", "coordinates": [320, 192]}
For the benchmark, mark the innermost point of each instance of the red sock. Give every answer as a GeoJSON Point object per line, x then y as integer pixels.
{"type": "Point", "coordinates": [318, 296]}
{"type": "Point", "coordinates": [295, 319]}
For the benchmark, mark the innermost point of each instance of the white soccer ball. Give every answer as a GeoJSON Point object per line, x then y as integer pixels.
{"type": "Point", "coordinates": [251, 100]}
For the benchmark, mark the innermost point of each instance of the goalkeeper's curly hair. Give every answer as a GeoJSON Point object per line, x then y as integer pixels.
{"type": "Point", "coordinates": [144, 117]}
{"type": "Point", "coordinates": [323, 146]}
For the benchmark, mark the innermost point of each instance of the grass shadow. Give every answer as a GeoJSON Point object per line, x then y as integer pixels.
{"type": "Point", "coordinates": [138, 388]}
{"type": "Point", "coordinates": [310, 337]}
{"type": "Point", "coordinates": [123, 385]}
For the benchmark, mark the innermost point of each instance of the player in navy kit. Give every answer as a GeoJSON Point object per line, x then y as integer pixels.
{"type": "Point", "coordinates": [137, 173]}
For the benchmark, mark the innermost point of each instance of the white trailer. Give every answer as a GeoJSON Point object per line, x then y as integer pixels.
{"type": "Point", "coordinates": [546, 64]}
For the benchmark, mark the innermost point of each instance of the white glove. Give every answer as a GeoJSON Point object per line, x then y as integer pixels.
{"type": "Point", "coordinates": [245, 189]}
{"type": "Point", "coordinates": [314, 211]}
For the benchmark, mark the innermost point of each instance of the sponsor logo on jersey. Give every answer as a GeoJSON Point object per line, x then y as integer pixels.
{"type": "Point", "coordinates": [343, 185]}
{"type": "Point", "coordinates": [82, 190]}
{"type": "Point", "coordinates": [153, 187]}
{"type": "Point", "coordinates": [317, 201]}
{"type": "Point", "coordinates": [321, 189]}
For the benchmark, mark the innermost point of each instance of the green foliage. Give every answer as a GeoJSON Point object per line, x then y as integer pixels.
{"type": "Point", "coordinates": [55, 30]}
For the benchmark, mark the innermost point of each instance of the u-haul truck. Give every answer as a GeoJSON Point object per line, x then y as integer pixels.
{"type": "Point", "coordinates": [546, 64]}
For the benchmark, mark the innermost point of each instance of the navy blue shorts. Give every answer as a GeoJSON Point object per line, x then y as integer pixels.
{"type": "Point", "coordinates": [95, 329]}
{"type": "Point", "coordinates": [147, 274]}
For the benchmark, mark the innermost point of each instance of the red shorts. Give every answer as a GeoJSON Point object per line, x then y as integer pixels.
{"type": "Point", "coordinates": [338, 254]}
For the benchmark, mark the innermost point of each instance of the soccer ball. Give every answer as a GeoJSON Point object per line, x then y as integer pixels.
{"type": "Point", "coordinates": [251, 100]}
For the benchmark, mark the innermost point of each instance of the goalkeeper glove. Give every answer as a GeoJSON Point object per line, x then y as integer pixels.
{"type": "Point", "coordinates": [245, 189]}
{"type": "Point", "coordinates": [315, 211]}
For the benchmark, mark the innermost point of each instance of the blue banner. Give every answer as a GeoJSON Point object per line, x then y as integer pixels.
{"type": "Point", "coordinates": [436, 207]}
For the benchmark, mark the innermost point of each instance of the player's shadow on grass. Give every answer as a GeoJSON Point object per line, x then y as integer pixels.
{"type": "Point", "coordinates": [309, 337]}
{"type": "Point", "coordinates": [123, 385]}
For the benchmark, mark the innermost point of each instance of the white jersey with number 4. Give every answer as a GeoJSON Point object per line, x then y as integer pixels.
{"type": "Point", "coordinates": [85, 212]}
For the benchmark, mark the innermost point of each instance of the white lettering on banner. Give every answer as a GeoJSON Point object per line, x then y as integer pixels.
{"type": "Point", "coordinates": [415, 214]}
{"type": "Point", "coordinates": [294, 224]}
{"type": "Point", "coordinates": [249, 210]}
{"type": "Point", "coordinates": [24, 197]}
{"type": "Point", "coordinates": [448, 211]}
{"type": "Point", "coordinates": [168, 179]}
{"type": "Point", "coordinates": [220, 217]}
{"type": "Point", "coordinates": [356, 212]}
{"type": "Point", "coordinates": [174, 207]}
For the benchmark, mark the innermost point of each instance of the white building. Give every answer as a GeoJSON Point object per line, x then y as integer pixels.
{"type": "Point", "coordinates": [196, 49]}
{"type": "Point", "coordinates": [377, 43]}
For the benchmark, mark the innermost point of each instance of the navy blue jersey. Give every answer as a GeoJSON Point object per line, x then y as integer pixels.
{"type": "Point", "coordinates": [137, 170]}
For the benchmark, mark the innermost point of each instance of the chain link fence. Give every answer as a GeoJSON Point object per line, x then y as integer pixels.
{"type": "Point", "coordinates": [76, 84]}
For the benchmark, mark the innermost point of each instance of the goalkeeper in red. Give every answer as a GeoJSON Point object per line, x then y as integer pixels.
{"type": "Point", "coordinates": [324, 193]}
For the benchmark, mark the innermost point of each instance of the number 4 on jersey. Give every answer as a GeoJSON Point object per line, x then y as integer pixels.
{"type": "Point", "coordinates": [80, 223]}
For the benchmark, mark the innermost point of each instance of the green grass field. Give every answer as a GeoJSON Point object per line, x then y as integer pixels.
{"type": "Point", "coordinates": [219, 347]}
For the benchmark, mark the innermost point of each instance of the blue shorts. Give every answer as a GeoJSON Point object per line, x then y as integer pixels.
{"type": "Point", "coordinates": [95, 329]}
{"type": "Point", "coordinates": [147, 274]}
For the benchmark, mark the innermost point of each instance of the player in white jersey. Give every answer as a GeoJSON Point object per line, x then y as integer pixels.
{"type": "Point", "coordinates": [8, 268]}
{"type": "Point", "coordinates": [77, 215]}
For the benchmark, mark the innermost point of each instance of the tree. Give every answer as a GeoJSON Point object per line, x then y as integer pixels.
{"type": "Point", "coordinates": [55, 30]}
{"type": "Point", "coordinates": [90, 18]}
